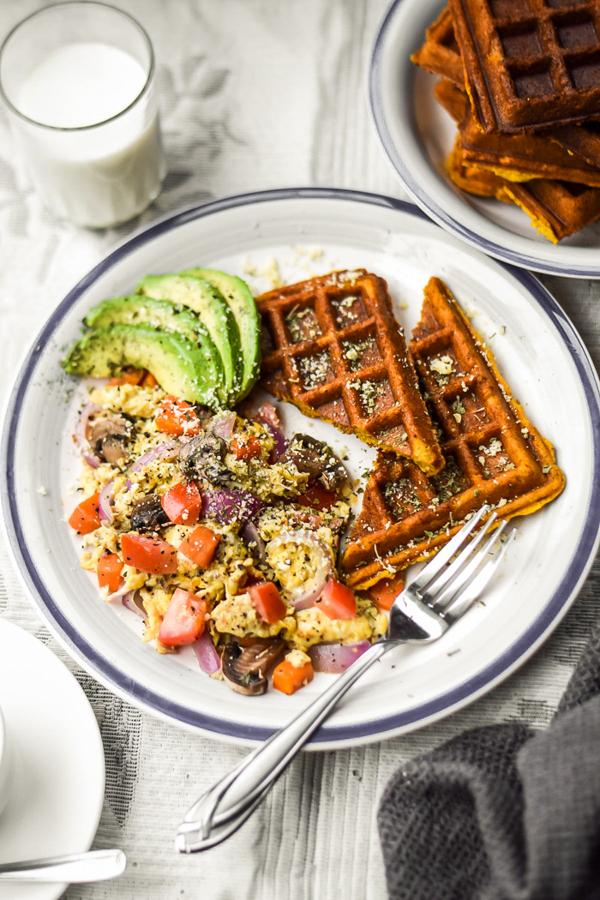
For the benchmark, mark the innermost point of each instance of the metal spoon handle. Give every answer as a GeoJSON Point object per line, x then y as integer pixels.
{"type": "Point", "coordinates": [228, 802]}
{"type": "Point", "coordinates": [97, 865]}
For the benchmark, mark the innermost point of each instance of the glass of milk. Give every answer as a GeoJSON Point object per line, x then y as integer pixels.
{"type": "Point", "coordinates": [78, 80]}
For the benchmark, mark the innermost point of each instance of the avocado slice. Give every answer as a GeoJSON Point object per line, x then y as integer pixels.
{"type": "Point", "coordinates": [207, 302]}
{"type": "Point", "coordinates": [141, 310]}
{"type": "Point", "coordinates": [181, 367]}
{"type": "Point", "coordinates": [241, 302]}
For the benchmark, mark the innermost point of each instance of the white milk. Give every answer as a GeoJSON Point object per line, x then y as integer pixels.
{"type": "Point", "coordinates": [97, 176]}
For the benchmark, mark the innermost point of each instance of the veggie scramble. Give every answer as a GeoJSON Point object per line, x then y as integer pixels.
{"type": "Point", "coordinates": [219, 533]}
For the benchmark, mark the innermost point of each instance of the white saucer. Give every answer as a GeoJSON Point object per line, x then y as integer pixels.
{"type": "Point", "coordinates": [57, 785]}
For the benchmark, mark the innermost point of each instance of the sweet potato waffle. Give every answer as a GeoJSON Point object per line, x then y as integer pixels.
{"type": "Point", "coordinates": [555, 208]}
{"type": "Point", "coordinates": [517, 157]}
{"type": "Point", "coordinates": [582, 140]}
{"type": "Point", "coordinates": [529, 63]}
{"type": "Point", "coordinates": [440, 55]}
{"type": "Point", "coordinates": [333, 348]}
{"type": "Point", "coordinates": [493, 453]}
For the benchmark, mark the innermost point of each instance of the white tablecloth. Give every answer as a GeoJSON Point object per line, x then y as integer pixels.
{"type": "Point", "coordinates": [254, 94]}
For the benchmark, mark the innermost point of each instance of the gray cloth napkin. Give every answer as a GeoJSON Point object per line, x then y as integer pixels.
{"type": "Point", "coordinates": [503, 812]}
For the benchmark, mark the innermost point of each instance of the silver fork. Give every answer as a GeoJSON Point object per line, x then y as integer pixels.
{"type": "Point", "coordinates": [440, 594]}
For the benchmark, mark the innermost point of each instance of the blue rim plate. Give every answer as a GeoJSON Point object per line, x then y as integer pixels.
{"type": "Point", "coordinates": [417, 136]}
{"type": "Point", "coordinates": [329, 206]}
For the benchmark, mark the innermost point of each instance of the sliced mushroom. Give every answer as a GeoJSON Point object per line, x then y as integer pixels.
{"type": "Point", "coordinates": [247, 662]}
{"type": "Point", "coordinates": [317, 459]}
{"type": "Point", "coordinates": [202, 457]}
{"type": "Point", "coordinates": [108, 437]}
{"type": "Point", "coordinates": [148, 514]}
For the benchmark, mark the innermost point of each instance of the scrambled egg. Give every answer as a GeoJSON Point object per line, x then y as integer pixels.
{"type": "Point", "coordinates": [238, 560]}
{"type": "Point", "coordinates": [297, 563]}
{"type": "Point", "coordinates": [314, 627]}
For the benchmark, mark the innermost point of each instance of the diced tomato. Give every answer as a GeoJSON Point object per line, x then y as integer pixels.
{"type": "Point", "coordinates": [337, 601]}
{"type": "Point", "coordinates": [109, 571]}
{"type": "Point", "coordinates": [249, 448]}
{"type": "Point", "coordinates": [149, 381]}
{"type": "Point", "coordinates": [129, 376]}
{"type": "Point", "coordinates": [177, 417]}
{"type": "Point", "coordinates": [184, 621]}
{"type": "Point", "coordinates": [317, 497]}
{"type": "Point", "coordinates": [289, 678]}
{"type": "Point", "coordinates": [200, 546]}
{"type": "Point", "coordinates": [385, 592]}
{"type": "Point", "coordinates": [149, 554]}
{"type": "Point", "coordinates": [182, 503]}
{"type": "Point", "coordinates": [267, 601]}
{"type": "Point", "coordinates": [86, 516]}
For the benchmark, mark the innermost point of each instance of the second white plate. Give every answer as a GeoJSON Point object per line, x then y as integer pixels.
{"type": "Point", "coordinates": [418, 134]}
{"type": "Point", "coordinates": [56, 785]}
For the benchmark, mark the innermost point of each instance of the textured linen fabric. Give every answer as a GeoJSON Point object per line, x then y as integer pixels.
{"type": "Point", "coordinates": [253, 94]}
{"type": "Point", "coordinates": [503, 812]}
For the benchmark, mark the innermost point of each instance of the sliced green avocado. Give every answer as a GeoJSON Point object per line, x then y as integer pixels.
{"type": "Point", "coordinates": [141, 310]}
{"type": "Point", "coordinates": [181, 367]}
{"type": "Point", "coordinates": [207, 302]}
{"type": "Point", "coordinates": [241, 302]}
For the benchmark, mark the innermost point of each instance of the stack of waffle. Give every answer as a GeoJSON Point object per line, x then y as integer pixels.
{"type": "Point", "coordinates": [522, 80]}
{"type": "Point", "coordinates": [449, 433]}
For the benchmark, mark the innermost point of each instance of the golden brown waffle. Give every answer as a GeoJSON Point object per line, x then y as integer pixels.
{"type": "Point", "coordinates": [582, 140]}
{"type": "Point", "coordinates": [439, 53]}
{"type": "Point", "coordinates": [474, 180]}
{"type": "Point", "coordinates": [493, 453]}
{"type": "Point", "coordinates": [529, 63]}
{"type": "Point", "coordinates": [556, 209]}
{"type": "Point", "coordinates": [517, 157]}
{"type": "Point", "coordinates": [333, 348]}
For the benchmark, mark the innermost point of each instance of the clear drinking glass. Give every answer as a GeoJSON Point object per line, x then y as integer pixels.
{"type": "Point", "coordinates": [91, 145]}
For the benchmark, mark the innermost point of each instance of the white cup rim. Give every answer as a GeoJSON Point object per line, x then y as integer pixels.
{"type": "Point", "coordinates": [72, 3]}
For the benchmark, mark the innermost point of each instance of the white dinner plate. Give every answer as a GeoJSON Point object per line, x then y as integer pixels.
{"type": "Point", "coordinates": [57, 761]}
{"type": "Point", "coordinates": [307, 231]}
{"type": "Point", "coordinates": [418, 134]}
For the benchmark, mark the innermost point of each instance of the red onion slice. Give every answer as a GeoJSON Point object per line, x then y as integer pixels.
{"type": "Point", "coordinates": [305, 596]}
{"type": "Point", "coordinates": [206, 654]}
{"type": "Point", "coordinates": [336, 657]}
{"type": "Point", "coordinates": [132, 601]}
{"type": "Point", "coordinates": [160, 452]}
{"type": "Point", "coordinates": [268, 412]}
{"type": "Point", "coordinates": [223, 424]}
{"type": "Point", "coordinates": [250, 534]}
{"type": "Point", "coordinates": [268, 416]}
{"type": "Point", "coordinates": [105, 503]}
{"type": "Point", "coordinates": [230, 506]}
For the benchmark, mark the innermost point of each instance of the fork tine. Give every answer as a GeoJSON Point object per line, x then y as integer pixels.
{"type": "Point", "coordinates": [441, 599]}
{"type": "Point", "coordinates": [457, 564]}
{"type": "Point", "coordinates": [437, 563]}
{"type": "Point", "coordinates": [465, 600]}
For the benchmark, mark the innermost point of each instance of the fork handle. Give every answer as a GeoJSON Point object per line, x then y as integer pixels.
{"type": "Point", "coordinates": [95, 865]}
{"type": "Point", "coordinates": [221, 810]}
